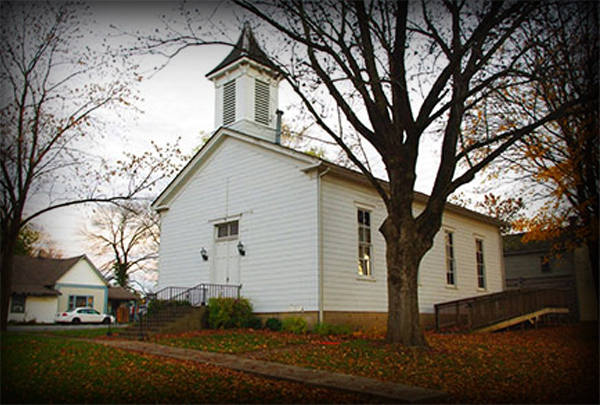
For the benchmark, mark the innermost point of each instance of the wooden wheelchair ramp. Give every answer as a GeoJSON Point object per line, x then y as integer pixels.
{"type": "Point", "coordinates": [491, 312]}
{"type": "Point", "coordinates": [533, 318]}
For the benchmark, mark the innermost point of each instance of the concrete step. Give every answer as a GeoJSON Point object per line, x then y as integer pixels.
{"type": "Point", "coordinates": [168, 321]}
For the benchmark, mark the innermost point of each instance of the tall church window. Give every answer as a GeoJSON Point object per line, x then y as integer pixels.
{"type": "Point", "coordinates": [365, 246]}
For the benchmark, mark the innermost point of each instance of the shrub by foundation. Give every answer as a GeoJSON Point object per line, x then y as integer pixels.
{"type": "Point", "coordinates": [226, 313]}
{"type": "Point", "coordinates": [295, 325]}
{"type": "Point", "coordinates": [324, 329]}
{"type": "Point", "coordinates": [273, 324]}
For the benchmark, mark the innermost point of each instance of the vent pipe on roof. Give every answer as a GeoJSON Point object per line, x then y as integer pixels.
{"type": "Point", "coordinates": [279, 113]}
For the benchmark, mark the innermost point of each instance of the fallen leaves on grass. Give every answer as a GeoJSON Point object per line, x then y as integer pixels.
{"type": "Point", "coordinates": [231, 341]}
{"type": "Point", "coordinates": [550, 365]}
{"type": "Point", "coordinates": [51, 370]}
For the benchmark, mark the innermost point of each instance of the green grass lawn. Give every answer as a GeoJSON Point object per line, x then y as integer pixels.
{"type": "Point", "coordinates": [81, 333]}
{"type": "Point", "coordinates": [232, 341]}
{"type": "Point", "coordinates": [41, 369]}
{"type": "Point", "coordinates": [550, 365]}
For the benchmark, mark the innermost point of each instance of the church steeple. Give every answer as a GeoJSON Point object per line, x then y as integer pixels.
{"type": "Point", "coordinates": [246, 89]}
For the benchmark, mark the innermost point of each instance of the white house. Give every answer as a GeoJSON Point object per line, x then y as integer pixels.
{"type": "Point", "coordinates": [41, 287]}
{"type": "Point", "coordinates": [300, 234]}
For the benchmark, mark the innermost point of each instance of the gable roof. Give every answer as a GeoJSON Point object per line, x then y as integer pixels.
{"type": "Point", "coordinates": [246, 46]}
{"type": "Point", "coordinates": [120, 293]}
{"type": "Point", "coordinates": [206, 150]}
{"type": "Point", "coordinates": [313, 162]}
{"type": "Point", "coordinates": [38, 275]}
{"type": "Point", "coordinates": [514, 245]}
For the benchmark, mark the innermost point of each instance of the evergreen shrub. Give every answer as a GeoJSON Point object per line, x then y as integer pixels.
{"type": "Point", "coordinates": [227, 313]}
{"type": "Point", "coordinates": [273, 324]}
{"type": "Point", "coordinates": [295, 325]}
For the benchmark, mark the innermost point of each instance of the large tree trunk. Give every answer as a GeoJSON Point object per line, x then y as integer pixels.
{"type": "Point", "coordinates": [403, 302]}
{"type": "Point", "coordinates": [6, 280]}
{"type": "Point", "coordinates": [403, 256]}
{"type": "Point", "coordinates": [592, 246]}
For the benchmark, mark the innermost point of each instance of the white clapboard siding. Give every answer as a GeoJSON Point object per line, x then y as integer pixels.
{"type": "Point", "coordinates": [276, 204]}
{"type": "Point", "coordinates": [344, 290]}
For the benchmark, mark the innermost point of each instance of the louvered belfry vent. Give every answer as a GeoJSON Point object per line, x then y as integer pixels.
{"type": "Point", "coordinates": [229, 103]}
{"type": "Point", "coordinates": [261, 102]}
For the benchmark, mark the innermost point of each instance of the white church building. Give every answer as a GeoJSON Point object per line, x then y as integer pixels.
{"type": "Point", "coordinates": [298, 233]}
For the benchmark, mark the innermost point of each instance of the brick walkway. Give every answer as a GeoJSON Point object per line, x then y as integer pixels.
{"type": "Point", "coordinates": [397, 393]}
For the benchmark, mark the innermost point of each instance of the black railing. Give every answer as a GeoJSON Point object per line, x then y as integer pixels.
{"type": "Point", "coordinates": [197, 295]}
{"type": "Point", "coordinates": [172, 299]}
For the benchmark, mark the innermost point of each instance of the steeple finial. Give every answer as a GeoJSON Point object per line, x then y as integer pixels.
{"type": "Point", "coordinates": [246, 46]}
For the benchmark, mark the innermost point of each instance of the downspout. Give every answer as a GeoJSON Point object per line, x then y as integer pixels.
{"type": "Point", "coordinates": [278, 113]}
{"type": "Point", "coordinates": [320, 241]}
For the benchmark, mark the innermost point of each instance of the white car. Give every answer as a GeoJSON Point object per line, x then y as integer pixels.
{"type": "Point", "coordinates": [83, 315]}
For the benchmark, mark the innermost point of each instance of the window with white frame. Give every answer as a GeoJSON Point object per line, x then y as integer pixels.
{"type": "Point", "coordinates": [365, 246]}
{"type": "Point", "coordinates": [78, 301]}
{"type": "Point", "coordinates": [228, 230]}
{"type": "Point", "coordinates": [450, 261]}
{"type": "Point", "coordinates": [480, 263]}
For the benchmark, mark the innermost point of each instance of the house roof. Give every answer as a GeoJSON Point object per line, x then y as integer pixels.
{"type": "Point", "coordinates": [37, 275]}
{"type": "Point", "coordinates": [246, 46]}
{"type": "Point", "coordinates": [312, 161]}
{"type": "Point", "coordinates": [514, 245]}
{"type": "Point", "coordinates": [120, 293]}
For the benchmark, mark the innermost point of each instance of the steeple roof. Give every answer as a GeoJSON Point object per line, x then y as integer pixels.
{"type": "Point", "coordinates": [246, 46]}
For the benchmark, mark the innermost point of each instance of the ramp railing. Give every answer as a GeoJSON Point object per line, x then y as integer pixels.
{"type": "Point", "coordinates": [473, 313]}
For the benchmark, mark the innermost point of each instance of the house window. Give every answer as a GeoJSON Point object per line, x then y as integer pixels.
{"type": "Point", "coordinates": [450, 261]}
{"type": "Point", "coordinates": [17, 304]}
{"type": "Point", "coordinates": [229, 103]}
{"type": "Point", "coordinates": [365, 247]}
{"type": "Point", "coordinates": [480, 263]}
{"type": "Point", "coordinates": [261, 102]}
{"type": "Point", "coordinates": [78, 301]}
{"type": "Point", "coordinates": [545, 264]}
{"type": "Point", "coordinates": [228, 230]}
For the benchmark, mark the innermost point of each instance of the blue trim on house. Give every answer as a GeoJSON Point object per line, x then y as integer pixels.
{"type": "Point", "coordinates": [93, 287]}
{"type": "Point", "coordinates": [99, 287]}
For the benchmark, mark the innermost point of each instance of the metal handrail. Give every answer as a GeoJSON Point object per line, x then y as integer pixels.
{"type": "Point", "coordinates": [196, 296]}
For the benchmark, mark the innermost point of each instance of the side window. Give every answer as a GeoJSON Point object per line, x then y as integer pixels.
{"type": "Point", "coordinates": [545, 264]}
{"type": "Point", "coordinates": [450, 261]}
{"type": "Point", "coordinates": [365, 246]}
{"type": "Point", "coordinates": [227, 230]}
{"type": "Point", "coordinates": [17, 304]}
{"type": "Point", "coordinates": [480, 264]}
{"type": "Point", "coordinates": [79, 301]}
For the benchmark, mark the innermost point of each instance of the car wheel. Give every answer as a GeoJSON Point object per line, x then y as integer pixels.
{"type": "Point", "coordinates": [76, 320]}
{"type": "Point", "coordinates": [106, 320]}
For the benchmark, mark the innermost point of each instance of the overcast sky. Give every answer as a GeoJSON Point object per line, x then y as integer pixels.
{"type": "Point", "coordinates": [178, 101]}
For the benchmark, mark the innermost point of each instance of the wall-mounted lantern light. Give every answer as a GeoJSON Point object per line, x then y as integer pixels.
{"type": "Point", "coordinates": [204, 254]}
{"type": "Point", "coordinates": [241, 249]}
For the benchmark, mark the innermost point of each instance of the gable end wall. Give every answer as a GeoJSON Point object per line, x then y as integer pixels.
{"type": "Point", "coordinates": [275, 203]}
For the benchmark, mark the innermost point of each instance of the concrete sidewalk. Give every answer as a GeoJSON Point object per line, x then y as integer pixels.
{"type": "Point", "coordinates": [397, 393]}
